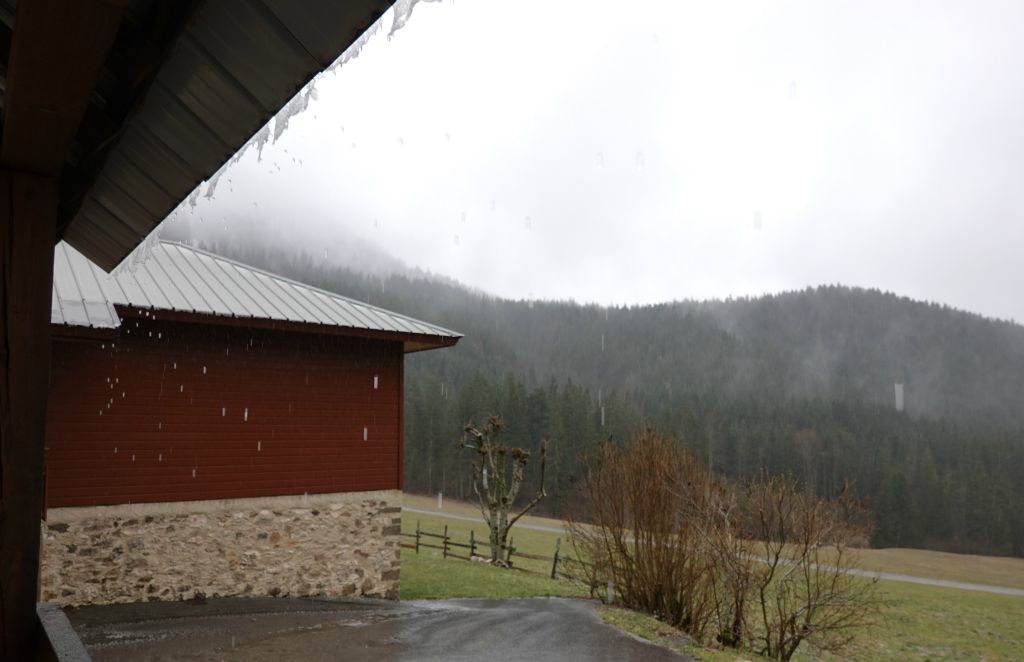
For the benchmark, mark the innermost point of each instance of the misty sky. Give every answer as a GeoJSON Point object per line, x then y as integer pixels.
{"type": "Point", "coordinates": [647, 151]}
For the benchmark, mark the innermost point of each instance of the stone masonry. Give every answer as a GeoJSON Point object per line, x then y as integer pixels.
{"type": "Point", "coordinates": [344, 544]}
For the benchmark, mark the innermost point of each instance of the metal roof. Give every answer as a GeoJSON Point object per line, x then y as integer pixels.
{"type": "Point", "coordinates": [179, 278]}
{"type": "Point", "coordinates": [221, 71]}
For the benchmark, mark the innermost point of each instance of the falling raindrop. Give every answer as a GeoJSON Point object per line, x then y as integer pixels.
{"type": "Point", "coordinates": [160, 457]}
{"type": "Point", "coordinates": [174, 366]}
{"type": "Point", "coordinates": [193, 473]}
{"type": "Point", "coordinates": [204, 369]}
{"type": "Point", "coordinates": [181, 388]}
{"type": "Point", "coordinates": [245, 415]}
{"type": "Point", "coordinates": [375, 382]}
{"type": "Point", "coordinates": [223, 411]}
{"type": "Point", "coordinates": [259, 445]}
{"type": "Point", "coordinates": [133, 457]}
{"type": "Point", "coordinates": [366, 433]}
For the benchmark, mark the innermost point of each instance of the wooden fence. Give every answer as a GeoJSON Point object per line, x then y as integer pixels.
{"type": "Point", "coordinates": [562, 565]}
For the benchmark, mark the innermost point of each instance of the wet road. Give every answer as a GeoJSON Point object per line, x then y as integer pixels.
{"type": "Point", "coordinates": [534, 629]}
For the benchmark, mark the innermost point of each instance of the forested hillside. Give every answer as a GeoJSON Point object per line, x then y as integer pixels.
{"type": "Point", "coordinates": [801, 382]}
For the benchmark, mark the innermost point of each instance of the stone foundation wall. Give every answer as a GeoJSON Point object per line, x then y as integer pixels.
{"type": "Point", "coordinates": [343, 544]}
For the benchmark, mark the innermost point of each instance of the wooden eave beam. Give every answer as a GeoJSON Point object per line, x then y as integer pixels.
{"type": "Point", "coordinates": [57, 49]}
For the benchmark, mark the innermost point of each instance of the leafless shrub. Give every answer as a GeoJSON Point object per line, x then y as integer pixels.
{"type": "Point", "coordinates": [802, 585]}
{"type": "Point", "coordinates": [764, 565]}
{"type": "Point", "coordinates": [636, 530]}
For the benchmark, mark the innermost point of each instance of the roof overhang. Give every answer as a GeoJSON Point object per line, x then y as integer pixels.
{"type": "Point", "coordinates": [411, 342]}
{"type": "Point", "coordinates": [181, 88]}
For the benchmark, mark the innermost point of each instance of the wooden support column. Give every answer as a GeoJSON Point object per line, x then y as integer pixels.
{"type": "Point", "coordinates": [57, 50]}
{"type": "Point", "coordinates": [28, 216]}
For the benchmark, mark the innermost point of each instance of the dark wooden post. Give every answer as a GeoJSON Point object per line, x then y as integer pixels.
{"type": "Point", "coordinates": [28, 219]}
{"type": "Point", "coordinates": [472, 544]}
{"type": "Point", "coordinates": [554, 564]}
{"type": "Point", "coordinates": [510, 549]}
{"type": "Point", "coordinates": [444, 545]}
{"type": "Point", "coordinates": [417, 536]}
{"type": "Point", "coordinates": [57, 48]}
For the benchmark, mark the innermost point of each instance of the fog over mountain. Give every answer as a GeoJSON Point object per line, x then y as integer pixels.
{"type": "Point", "coordinates": [674, 151]}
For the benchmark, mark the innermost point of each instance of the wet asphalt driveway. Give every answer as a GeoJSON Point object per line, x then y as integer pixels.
{"type": "Point", "coordinates": [280, 629]}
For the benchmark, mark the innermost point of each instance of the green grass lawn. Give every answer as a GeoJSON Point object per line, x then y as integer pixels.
{"type": "Point", "coordinates": [917, 623]}
{"type": "Point", "coordinates": [428, 576]}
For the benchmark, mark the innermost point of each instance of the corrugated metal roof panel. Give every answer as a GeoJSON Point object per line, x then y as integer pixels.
{"type": "Point", "coordinates": [175, 277]}
{"type": "Point", "coordinates": [78, 298]}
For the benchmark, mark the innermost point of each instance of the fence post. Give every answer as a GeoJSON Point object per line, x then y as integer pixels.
{"type": "Point", "coordinates": [417, 536]}
{"type": "Point", "coordinates": [554, 564]}
{"type": "Point", "coordinates": [472, 544]}
{"type": "Point", "coordinates": [508, 559]}
{"type": "Point", "coordinates": [444, 551]}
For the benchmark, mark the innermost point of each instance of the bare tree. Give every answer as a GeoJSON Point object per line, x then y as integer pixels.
{"type": "Point", "coordinates": [498, 473]}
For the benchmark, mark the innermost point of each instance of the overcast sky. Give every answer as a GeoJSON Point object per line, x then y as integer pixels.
{"type": "Point", "coordinates": [647, 151]}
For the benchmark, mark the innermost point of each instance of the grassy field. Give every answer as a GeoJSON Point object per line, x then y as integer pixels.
{"type": "Point", "coordinates": [918, 622]}
{"type": "Point", "coordinates": [993, 570]}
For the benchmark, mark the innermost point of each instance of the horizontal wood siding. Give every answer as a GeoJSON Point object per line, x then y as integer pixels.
{"type": "Point", "coordinates": [173, 411]}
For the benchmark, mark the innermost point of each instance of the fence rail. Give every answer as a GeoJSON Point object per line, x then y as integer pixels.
{"type": "Point", "coordinates": [561, 564]}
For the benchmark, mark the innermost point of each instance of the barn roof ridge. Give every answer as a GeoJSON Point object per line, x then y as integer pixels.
{"type": "Point", "coordinates": [276, 298]}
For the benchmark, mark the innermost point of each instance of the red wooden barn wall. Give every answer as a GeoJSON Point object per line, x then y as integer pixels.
{"type": "Point", "coordinates": [174, 411]}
